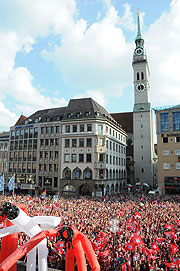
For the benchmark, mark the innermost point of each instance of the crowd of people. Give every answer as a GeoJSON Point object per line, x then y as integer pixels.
{"type": "Point", "coordinates": [147, 238]}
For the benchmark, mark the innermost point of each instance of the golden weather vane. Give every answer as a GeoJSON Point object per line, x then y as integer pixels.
{"type": "Point", "coordinates": [138, 11]}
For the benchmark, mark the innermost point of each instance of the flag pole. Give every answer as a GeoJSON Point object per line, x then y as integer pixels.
{"type": "Point", "coordinates": [13, 184]}
{"type": "Point", "coordinates": [3, 184]}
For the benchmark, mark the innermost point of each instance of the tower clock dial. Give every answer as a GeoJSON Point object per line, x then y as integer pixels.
{"type": "Point", "coordinates": [139, 51]}
{"type": "Point", "coordinates": [140, 87]}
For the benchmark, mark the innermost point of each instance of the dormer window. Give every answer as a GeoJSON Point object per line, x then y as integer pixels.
{"type": "Point", "coordinates": [36, 120]}
{"type": "Point", "coordinates": [78, 114]}
{"type": "Point", "coordinates": [87, 114]}
{"type": "Point", "coordinates": [26, 121]}
{"type": "Point", "coordinates": [69, 115]}
{"type": "Point", "coordinates": [48, 119]}
{"type": "Point", "coordinates": [58, 118]}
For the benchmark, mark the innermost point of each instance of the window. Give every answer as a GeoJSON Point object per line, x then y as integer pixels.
{"type": "Point", "coordinates": [177, 152]}
{"type": "Point", "coordinates": [57, 129]}
{"type": "Point", "coordinates": [66, 158]}
{"type": "Point", "coordinates": [67, 143]}
{"type": "Point", "coordinates": [176, 121]}
{"type": "Point", "coordinates": [177, 165]}
{"type": "Point", "coordinates": [42, 130]}
{"type": "Point", "coordinates": [74, 128]}
{"type": "Point", "coordinates": [81, 127]}
{"type": "Point", "coordinates": [48, 119]}
{"type": "Point", "coordinates": [177, 139]}
{"type": "Point", "coordinates": [142, 170]}
{"type": "Point", "coordinates": [101, 157]}
{"type": "Point", "coordinates": [110, 145]}
{"type": "Point", "coordinates": [51, 141]}
{"type": "Point", "coordinates": [165, 139]}
{"type": "Point", "coordinates": [58, 118]}
{"type": "Point", "coordinates": [137, 76]}
{"type": "Point", "coordinates": [89, 127]}
{"type": "Point", "coordinates": [36, 120]}
{"type": "Point", "coordinates": [52, 129]}
{"type": "Point", "coordinates": [69, 115]}
{"type": "Point", "coordinates": [142, 76]}
{"type": "Point", "coordinates": [47, 130]}
{"type": "Point", "coordinates": [164, 122]}
{"type": "Point", "coordinates": [56, 141]}
{"type": "Point", "coordinates": [73, 157]}
{"type": "Point", "coordinates": [67, 128]}
{"type": "Point", "coordinates": [113, 146]}
{"type": "Point", "coordinates": [56, 154]}
{"type": "Point", "coordinates": [101, 142]}
{"type": "Point", "coordinates": [100, 129]}
{"type": "Point", "coordinates": [81, 142]}
{"type": "Point", "coordinates": [87, 114]}
{"type": "Point", "coordinates": [74, 142]}
{"type": "Point", "coordinates": [78, 114]}
{"type": "Point", "coordinates": [81, 157]}
{"type": "Point", "coordinates": [89, 142]}
{"type": "Point", "coordinates": [165, 152]}
{"type": "Point", "coordinates": [88, 157]}
{"type": "Point", "coordinates": [46, 142]}
{"type": "Point", "coordinates": [166, 166]}
{"type": "Point", "coordinates": [77, 173]}
{"type": "Point", "coordinates": [88, 173]}
{"type": "Point", "coordinates": [107, 144]}
{"type": "Point", "coordinates": [30, 132]}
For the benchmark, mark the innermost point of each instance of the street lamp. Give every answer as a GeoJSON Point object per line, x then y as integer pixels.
{"type": "Point", "coordinates": [114, 228]}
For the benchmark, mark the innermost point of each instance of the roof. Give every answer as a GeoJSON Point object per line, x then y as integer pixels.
{"type": "Point", "coordinates": [20, 120]}
{"type": "Point", "coordinates": [4, 136]}
{"type": "Point", "coordinates": [125, 120]}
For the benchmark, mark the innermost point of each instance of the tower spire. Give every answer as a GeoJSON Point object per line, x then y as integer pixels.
{"type": "Point", "coordinates": [139, 28]}
{"type": "Point", "coordinates": [139, 40]}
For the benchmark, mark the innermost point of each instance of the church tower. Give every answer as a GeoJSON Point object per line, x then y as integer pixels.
{"type": "Point", "coordinates": [142, 114]}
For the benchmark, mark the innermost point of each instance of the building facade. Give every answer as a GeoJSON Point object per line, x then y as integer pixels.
{"type": "Point", "coordinates": [168, 147]}
{"type": "Point", "coordinates": [4, 143]}
{"type": "Point", "coordinates": [142, 115]}
{"type": "Point", "coordinates": [78, 149]}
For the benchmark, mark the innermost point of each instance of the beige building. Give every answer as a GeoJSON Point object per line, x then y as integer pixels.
{"type": "Point", "coordinates": [168, 142]}
{"type": "Point", "coordinates": [78, 149]}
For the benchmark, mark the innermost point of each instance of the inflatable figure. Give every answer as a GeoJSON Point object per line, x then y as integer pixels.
{"type": "Point", "coordinates": [31, 226]}
{"type": "Point", "coordinates": [76, 243]}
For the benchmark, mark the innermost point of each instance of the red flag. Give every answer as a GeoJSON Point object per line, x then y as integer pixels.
{"type": "Point", "coordinates": [178, 223]}
{"type": "Point", "coordinates": [119, 231]}
{"type": "Point", "coordinates": [137, 215]}
{"type": "Point", "coordinates": [131, 228]}
{"type": "Point", "coordinates": [141, 247]}
{"type": "Point", "coordinates": [103, 234]}
{"type": "Point", "coordinates": [124, 267]}
{"type": "Point", "coordinates": [159, 240]}
{"type": "Point", "coordinates": [171, 265]}
{"type": "Point", "coordinates": [137, 240]}
{"type": "Point", "coordinates": [104, 254]}
{"type": "Point", "coordinates": [120, 213]}
{"type": "Point", "coordinates": [152, 257]}
{"type": "Point", "coordinates": [173, 248]}
{"type": "Point", "coordinates": [130, 220]}
{"type": "Point", "coordinates": [96, 246]}
{"type": "Point", "coordinates": [170, 227]}
{"type": "Point", "coordinates": [130, 246]}
{"type": "Point", "coordinates": [155, 247]}
{"type": "Point", "coordinates": [170, 234]}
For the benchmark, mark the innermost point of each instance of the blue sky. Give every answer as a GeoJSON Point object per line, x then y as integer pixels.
{"type": "Point", "coordinates": [55, 50]}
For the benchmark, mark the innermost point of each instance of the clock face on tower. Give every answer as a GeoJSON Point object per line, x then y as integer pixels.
{"type": "Point", "coordinates": [139, 51]}
{"type": "Point", "coordinates": [140, 87]}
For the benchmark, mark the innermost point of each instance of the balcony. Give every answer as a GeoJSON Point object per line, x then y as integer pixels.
{"type": "Point", "coordinates": [100, 165]}
{"type": "Point", "coordinates": [100, 149]}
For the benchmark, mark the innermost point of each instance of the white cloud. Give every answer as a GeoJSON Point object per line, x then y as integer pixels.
{"type": "Point", "coordinates": [7, 118]}
{"type": "Point", "coordinates": [98, 96]}
{"type": "Point", "coordinates": [163, 43]}
{"type": "Point", "coordinates": [95, 57]}
{"type": "Point", "coordinates": [127, 20]}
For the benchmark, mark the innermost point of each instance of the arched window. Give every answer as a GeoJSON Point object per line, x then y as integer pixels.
{"type": "Point", "coordinates": [69, 188]}
{"type": "Point", "coordinates": [112, 188]}
{"type": "Point", "coordinates": [137, 76]}
{"type": "Point", "coordinates": [114, 175]}
{"type": "Point", "coordinates": [110, 174]}
{"type": "Point", "coordinates": [142, 76]}
{"type": "Point", "coordinates": [67, 173]}
{"type": "Point", "coordinates": [116, 188]}
{"type": "Point", "coordinates": [87, 173]}
{"type": "Point", "coordinates": [77, 173]}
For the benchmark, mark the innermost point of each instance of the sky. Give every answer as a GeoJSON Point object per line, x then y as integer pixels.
{"type": "Point", "coordinates": [52, 51]}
